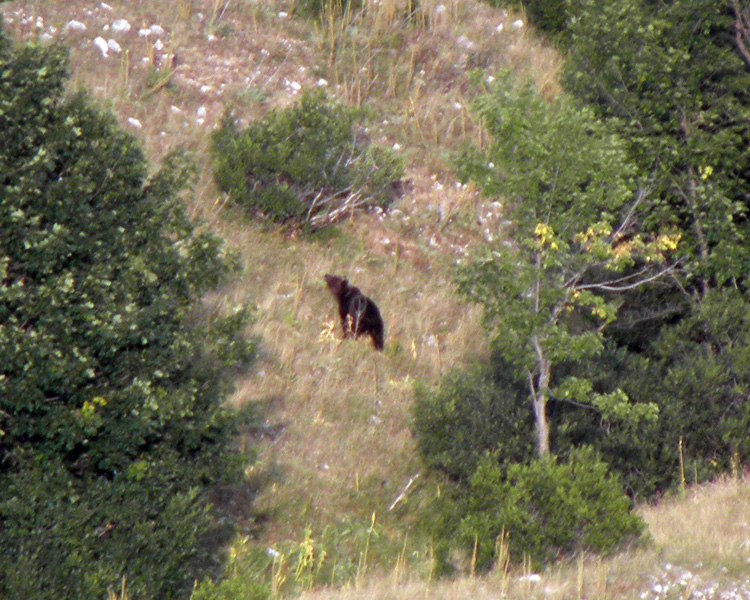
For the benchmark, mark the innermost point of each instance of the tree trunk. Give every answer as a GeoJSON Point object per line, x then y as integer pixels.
{"type": "Point", "coordinates": [540, 393]}
{"type": "Point", "coordinates": [542, 427]}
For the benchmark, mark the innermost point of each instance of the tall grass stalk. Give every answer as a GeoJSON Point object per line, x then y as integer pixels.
{"type": "Point", "coordinates": [682, 467]}
{"type": "Point", "coordinates": [278, 574]}
{"type": "Point", "coordinates": [362, 566]}
{"type": "Point", "coordinates": [502, 564]}
{"type": "Point", "coordinates": [579, 576]}
{"type": "Point", "coordinates": [123, 595]}
{"type": "Point", "coordinates": [217, 13]}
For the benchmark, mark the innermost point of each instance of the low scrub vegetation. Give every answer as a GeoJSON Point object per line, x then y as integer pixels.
{"type": "Point", "coordinates": [310, 164]}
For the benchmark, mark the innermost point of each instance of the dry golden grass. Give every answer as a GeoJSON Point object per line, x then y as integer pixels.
{"type": "Point", "coordinates": [712, 525]}
{"type": "Point", "coordinates": [345, 408]}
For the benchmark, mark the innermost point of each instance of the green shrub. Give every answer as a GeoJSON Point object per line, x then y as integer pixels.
{"type": "Point", "coordinates": [547, 509]}
{"type": "Point", "coordinates": [248, 576]}
{"type": "Point", "coordinates": [474, 412]}
{"type": "Point", "coordinates": [112, 421]}
{"type": "Point", "coordinates": [309, 163]}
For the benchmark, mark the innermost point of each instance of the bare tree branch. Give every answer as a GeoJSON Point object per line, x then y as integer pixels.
{"type": "Point", "coordinates": [640, 196]}
{"type": "Point", "coordinates": [624, 284]}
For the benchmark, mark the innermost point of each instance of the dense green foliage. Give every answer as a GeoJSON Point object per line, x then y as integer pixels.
{"type": "Point", "coordinates": [678, 90]}
{"type": "Point", "coordinates": [111, 387]}
{"type": "Point", "coordinates": [668, 85]}
{"type": "Point", "coordinates": [309, 163]}
{"type": "Point", "coordinates": [474, 412]}
{"type": "Point", "coordinates": [573, 205]}
{"type": "Point", "coordinates": [547, 509]}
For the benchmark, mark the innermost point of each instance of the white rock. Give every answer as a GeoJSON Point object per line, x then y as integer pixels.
{"type": "Point", "coordinates": [135, 123]}
{"type": "Point", "coordinates": [465, 42]}
{"type": "Point", "coordinates": [283, 15]}
{"type": "Point", "coordinates": [144, 32]}
{"type": "Point", "coordinates": [201, 111]}
{"type": "Point", "coordinates": [114, 46]}
{"type": "Point", "coordinates": [158, 45]}
{"type": "Point", "coordinates": [322, 82]}
{"type": "Point", "coordinates": [101, 43]}
{"type": "Point", "coordinates": [500, 27]}
{"type": "Point", "coordinates": [518, 24]}
{"type": "Point", "coordinates": [121, 26]}
{"type": "Point", "coordinates": [157, 29]}
{"type": "Point", "coordinates": [105, 6]}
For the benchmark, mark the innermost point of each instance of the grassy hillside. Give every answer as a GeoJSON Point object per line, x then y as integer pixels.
{"type": "Point", "coordinates": [337, 453]}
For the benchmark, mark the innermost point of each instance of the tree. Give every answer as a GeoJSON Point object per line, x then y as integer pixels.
{"type": "Point", "coordinates": [549, 292]}
{"type": "Point", "coordinates": [673, 79]}
{"type": "Point", "coordinates": [677, 89]}
{"type": "Point", "coordinates": [112, 426]}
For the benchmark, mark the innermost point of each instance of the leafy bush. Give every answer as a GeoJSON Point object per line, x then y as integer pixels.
{"type": "Point", "coordinates": [112, 423]}
{"type": "Point", "coordinates": [474, 412]}
{"type": "Point", "coordinates": [547, 509]}
{"type": "Point", "coordinates": [309, 163]}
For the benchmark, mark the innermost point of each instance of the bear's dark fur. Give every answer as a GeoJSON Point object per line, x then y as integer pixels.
{"type": "Point", "coordinates": [359, 315]}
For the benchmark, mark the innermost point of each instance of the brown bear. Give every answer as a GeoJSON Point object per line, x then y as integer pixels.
{"type": "Point", "coordinates": [359, 315]}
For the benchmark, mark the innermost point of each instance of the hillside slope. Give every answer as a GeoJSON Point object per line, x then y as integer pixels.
{"type": "Point", "coordinates": [337, 452]}
{"type": "Point", "coordinates": [339, 412]}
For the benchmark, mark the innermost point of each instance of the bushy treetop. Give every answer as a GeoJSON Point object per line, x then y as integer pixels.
{"type": "Point", "coordinates": [111, 421]}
